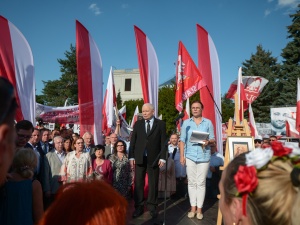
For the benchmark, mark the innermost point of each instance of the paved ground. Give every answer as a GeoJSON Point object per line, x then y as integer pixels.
{"type": "Point", "coordinates": [176, 213]}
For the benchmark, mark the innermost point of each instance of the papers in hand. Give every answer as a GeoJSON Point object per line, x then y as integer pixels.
{"type": "Point", "coordinates": [199, 137]}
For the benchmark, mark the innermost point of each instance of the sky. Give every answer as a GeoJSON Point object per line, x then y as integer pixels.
{"type": "Point", "coordinates": [237, 27]}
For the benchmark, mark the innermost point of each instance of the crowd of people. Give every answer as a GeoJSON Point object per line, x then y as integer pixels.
{"type": "Point", "coordinates": [46, 177]}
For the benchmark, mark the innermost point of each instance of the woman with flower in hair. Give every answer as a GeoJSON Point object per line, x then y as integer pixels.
{"type": "Point", "coordinates": [262, 187]}
{"type": "Point", "coordinates": [22, 196]}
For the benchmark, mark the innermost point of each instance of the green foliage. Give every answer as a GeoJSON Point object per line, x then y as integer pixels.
{"type": "Point", "coordinates": [166, 107]}
{"type": "Point", "coordinates": [227, 109]}
{"type": "Point", "coordinates": [119, 101]}
{"type": "Point", "coordinates": [130, 107]}
{"type": "Point", "coordinates": [263, 64]}
{"type": "Point", "coordinates": [290, 69]}
{"type": "Point", "coordinates": [55, 92]}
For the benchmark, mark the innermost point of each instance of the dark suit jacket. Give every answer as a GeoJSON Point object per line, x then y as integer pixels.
{"type": "Point", "coordinates": [154, 142]}
{"type": "Point", "coordinates": [38, 147]}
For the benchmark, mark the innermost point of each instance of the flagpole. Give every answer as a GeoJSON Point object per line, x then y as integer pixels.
{"type": "Point", "coordinates": [215, 103]}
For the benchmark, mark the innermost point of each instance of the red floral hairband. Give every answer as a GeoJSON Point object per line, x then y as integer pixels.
{"type": "Point", "coordinates": [246, 179]}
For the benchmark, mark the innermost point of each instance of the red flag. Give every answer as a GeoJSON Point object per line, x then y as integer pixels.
{"type": "Point", "coordinates": [187, 77]}
{"type": "Point", "coordinates": [298, 107]}
{"type": "Point", "coordinates": [208, 64]}
{"type": "Point", "coordinates": [252, 123]}
{"type": "Point", "coordinates": [110, 101]}
{"type": "Point", "coordinates": [16, 64]}
{"type": "Point", "coordinates": [148, 65]}
{"type": "Point", "coordinates": [89, 69]}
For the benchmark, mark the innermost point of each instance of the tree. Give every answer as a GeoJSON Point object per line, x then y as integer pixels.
{"type": "Point", "coordinates": [227, 108]}
{"type": "Point", "coordinates": [119, 101]}
{"type": "Point", "coordinates": [130, 107]}
{"type": "Point", "coordinates": [263, 64]}
{"type": "Point", "coordinates": [56, 92]}
{"type": "Point", "coordinates": [290, 69]}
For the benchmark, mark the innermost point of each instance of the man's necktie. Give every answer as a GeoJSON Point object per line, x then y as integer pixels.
{"type": "Point", "coordinates": [148, 127]}
{"type": "Point", "coordinates": [174, 153]}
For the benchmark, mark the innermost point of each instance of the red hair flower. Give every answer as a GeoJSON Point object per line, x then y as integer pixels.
{"type": "Point", "coordinates": [245, 179]}
{"type": "Point", "coordinates": [279, 150]}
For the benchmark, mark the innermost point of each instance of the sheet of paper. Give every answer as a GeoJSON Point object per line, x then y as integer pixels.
{"type": "Point", "coordinates": [199, 137]}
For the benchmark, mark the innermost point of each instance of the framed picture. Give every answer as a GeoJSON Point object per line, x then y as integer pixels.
{"type": "Point", "coordinates": [238, 145]}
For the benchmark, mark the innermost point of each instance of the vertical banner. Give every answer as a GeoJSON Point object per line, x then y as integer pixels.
{"type": "Point", "coordinates": [89, 69]}
{"type": "Point", "coordinates": [208, 64]}
{"type": "Point", "coordinates": [16, 64]}
{"type": "Point", "coordinates": [148, 65]}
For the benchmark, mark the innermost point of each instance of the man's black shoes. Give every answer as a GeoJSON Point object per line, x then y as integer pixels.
{"type": "Point", "coordinates": [138, 212]}
{"type": "Point", "coordinates": [153, 214]}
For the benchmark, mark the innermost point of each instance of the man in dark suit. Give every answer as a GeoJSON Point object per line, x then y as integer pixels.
{"type": "Point", "coordinates": [147, 153]}
{"type": "Point", "coordinates": [34, 143]}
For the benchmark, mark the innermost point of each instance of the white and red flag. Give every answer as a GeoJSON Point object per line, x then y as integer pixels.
{"type": "Point", "coordinates": [188, 77]}
{"type": "Point", "coordinates": [210, 94]}
{"type": "Point", "coordinates": [187, 110]}
{"type": "Point", "coordinates": [135, 116]}
{"type": "Point", "coordinates": [148, 65]}
{"type": "Point", "coordinates": [253, 86]}
{"type": "Point", "coordinates": [298, 107]}
{"type": "Point", "coordinates": [16, 64]}
{"type": "Point", "coordinates": [122, 112]}
{"type": "Point", "coordinates": [110, 101]}
{"type": "Point", "coordinates": [253, 128]}
{"type": "Point", "coordinates": [90, 72]}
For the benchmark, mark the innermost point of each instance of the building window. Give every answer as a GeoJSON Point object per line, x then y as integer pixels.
{"type": "Point", "coordinates": [127, 84]}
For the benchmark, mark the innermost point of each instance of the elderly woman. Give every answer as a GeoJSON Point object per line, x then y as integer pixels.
{"type": "Point", "coordinates": [122, 174]}
{"type": "Point", "coordinates": [262, 187]}
{"type": "Point", "coordinates": [77, 165]}
{"type": "Point", "coordinates": [101, 166]}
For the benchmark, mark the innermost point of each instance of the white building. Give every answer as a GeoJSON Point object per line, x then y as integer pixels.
{"type": "Point", "coordinates": [128, 83]}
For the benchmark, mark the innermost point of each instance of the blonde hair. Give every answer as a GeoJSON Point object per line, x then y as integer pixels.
{"type": "Point", "coordinates": [275, 200]}
{"type": "Point", "coordinates": [24, 162]}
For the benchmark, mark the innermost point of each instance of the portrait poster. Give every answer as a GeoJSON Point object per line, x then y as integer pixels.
{"type": "Point", "coordinates": [238, 145]}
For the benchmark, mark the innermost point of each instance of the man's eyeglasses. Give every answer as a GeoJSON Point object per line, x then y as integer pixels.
{"type": "Point", "coordinates": [24, 136]}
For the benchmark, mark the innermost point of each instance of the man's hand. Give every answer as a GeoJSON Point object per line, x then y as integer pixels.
{"type": "Point", "coordinates": [161, 164]}
{"type": "Point", "coordinates": [132, 163]}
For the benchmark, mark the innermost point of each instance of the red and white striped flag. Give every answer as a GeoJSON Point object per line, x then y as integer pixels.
{"type": "Point", "coordinates": [148, 65]}
{"type": "Point", "coordinates": [110, 101]}
{"type": "Point", "coordinates": [208, 64]}
{"type": "Point", "coordinates": [89, 69]}
{"type": "Point", "coordinates": [187, 77]}
{"type": "Point", "coordinates": [298, 106]}
{"type": "Point", "coordinates": [16, 64]}
{"type": "Point", "coordinates": [122, 112]}
{"type": "Point", "coordinates": [253, 129]}
{"type": "Point", "coordinates": [187, 110]}
{"type": "Point", "coordinates": [135, 116]}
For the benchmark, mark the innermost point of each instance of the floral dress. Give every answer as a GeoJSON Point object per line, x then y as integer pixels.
{"type": "Point", "coordinates": [122, 175]}
{"type": "Point", "coordinates": [77, 169]}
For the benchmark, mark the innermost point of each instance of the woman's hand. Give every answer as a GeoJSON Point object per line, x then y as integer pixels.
{"type": "Point", "coordinates": [182, 160]}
